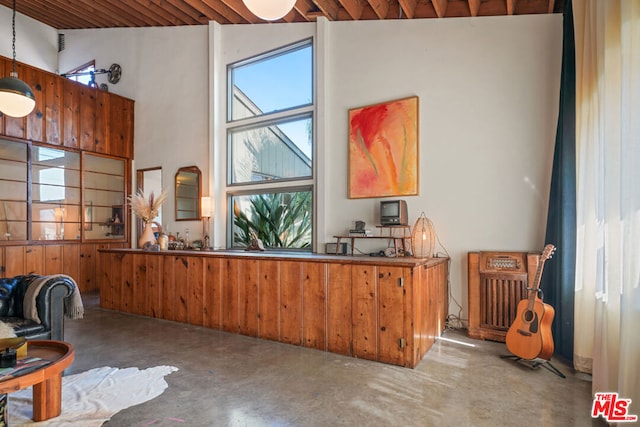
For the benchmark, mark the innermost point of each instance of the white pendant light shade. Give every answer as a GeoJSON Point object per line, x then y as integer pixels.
{"type": "Point", "coordinates": [16, 97]}
{"type": "Point", "coordinates": [423, 237]}
{"type": "Point", "coordinates": [269, 10]}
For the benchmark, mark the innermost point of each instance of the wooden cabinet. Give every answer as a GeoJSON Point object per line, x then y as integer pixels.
{"type": "Point", "coordinates": [71, 114]}
{"type": "Point", "coordinates": [388, 310]}
{"type": "Point", "coordinates": [78, 261]}
{"type": "Point", "coordinates": [75, 116]}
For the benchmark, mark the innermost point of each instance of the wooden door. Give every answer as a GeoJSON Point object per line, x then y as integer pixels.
{"type": "Point", "coordinates": [53, 259]}
{"type": "Point", "coordinates": [364, 313]}
{"type": "Point", "coordinates": [230, 299]}
{"type": "Point", "coordinates": [14, 261]}
{"type": "Point", "coordinates": [269, 299]}
{"type": "Point", "coordinates": [87, 279]}
{"type": "Point", "coordinates": [34, 259]}
{"type": "Point", "coordinates": [291, 302]}
{"type": "Point", "coordinates": [392, 336]}
{"type": "Point", "coordinates": [314, 304]}
{"type": "Point", "coordinates": [71, 261]}
{"type": "Point", "coordinates": [339, 309]}
{"type": "Point", "coordinates": [213, 293]}
{"type": "Point", "coordinates": [248, 322]}
{"type": "Point", "coordinates": [195, 288]}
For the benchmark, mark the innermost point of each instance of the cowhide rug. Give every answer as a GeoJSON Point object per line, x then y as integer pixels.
{"type": "Point", "coordinates": [93, 397]}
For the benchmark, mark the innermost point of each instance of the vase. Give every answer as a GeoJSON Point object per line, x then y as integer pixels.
{"type": "Point", "coordinates": [147, 235]}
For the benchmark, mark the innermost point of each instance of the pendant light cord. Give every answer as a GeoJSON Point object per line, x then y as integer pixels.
{"type": "Point", "coordinates": [13, 43]}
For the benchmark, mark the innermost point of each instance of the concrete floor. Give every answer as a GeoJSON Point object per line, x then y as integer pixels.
{"type": "Point", "coordinates": [232, 380]}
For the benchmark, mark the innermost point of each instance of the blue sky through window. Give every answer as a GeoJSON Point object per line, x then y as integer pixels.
{"type": "Point", "coordinates": [278, 83]}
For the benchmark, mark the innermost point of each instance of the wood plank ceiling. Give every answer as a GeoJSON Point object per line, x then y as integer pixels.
{"type": "Point", "coordinates": [76, 14]}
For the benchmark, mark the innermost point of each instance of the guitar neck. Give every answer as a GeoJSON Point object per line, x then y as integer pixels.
{"type": "Point", "coordinates": [533, 290]}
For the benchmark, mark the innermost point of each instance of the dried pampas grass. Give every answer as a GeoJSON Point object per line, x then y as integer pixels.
{"type": "Point", "coordinates": [146, 207]}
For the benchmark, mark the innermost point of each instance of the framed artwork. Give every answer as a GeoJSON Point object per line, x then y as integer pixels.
{"type": "Point", "coordinates": [383, 149]}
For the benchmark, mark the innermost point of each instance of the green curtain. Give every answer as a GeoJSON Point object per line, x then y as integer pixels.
{"type": "Point", "coordinates": [558, 278]}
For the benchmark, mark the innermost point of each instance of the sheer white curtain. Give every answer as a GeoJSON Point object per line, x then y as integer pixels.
{"type": "Point", "coordinates": [607, 305]}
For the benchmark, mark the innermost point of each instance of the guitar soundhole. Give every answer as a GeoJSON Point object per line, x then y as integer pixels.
{"type": "Point", "coordinates": [528, 316]}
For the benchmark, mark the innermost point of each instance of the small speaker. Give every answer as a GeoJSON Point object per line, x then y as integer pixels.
{"type": "Point", "coordinates": [330, 248]}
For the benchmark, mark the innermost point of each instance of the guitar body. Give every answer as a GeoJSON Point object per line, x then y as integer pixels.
{"type": "Point", "coordinates": [529, 336]}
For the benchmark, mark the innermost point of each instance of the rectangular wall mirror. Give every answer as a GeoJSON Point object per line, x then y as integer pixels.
{"type": "Point", "coordinates": [188, 192]}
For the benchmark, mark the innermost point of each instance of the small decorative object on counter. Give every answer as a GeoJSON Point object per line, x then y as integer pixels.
{"type": "Point", "coordinates": [146, 208]}
{"type": "Point", "coordinates": [163, 241]}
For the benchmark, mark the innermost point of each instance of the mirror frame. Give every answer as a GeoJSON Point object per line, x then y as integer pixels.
{"type": "Point", "coordinates": [193, 170]}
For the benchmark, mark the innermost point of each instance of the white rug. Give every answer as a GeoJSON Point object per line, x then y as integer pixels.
{"type": "Point", "coordinates": [93, 397]}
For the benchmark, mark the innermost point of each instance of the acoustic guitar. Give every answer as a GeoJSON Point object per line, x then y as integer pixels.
{"type": "Point", "coordinates": [529, 336]}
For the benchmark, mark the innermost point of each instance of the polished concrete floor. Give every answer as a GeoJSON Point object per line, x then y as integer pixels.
{"type": "Point", "coordinates": [232, 380]}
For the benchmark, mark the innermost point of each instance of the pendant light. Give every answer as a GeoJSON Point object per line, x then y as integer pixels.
{"type": "Point", "coordinates": [16, 97]}
{"type": "Point", "coordinates": [423, 237]}
{"type": "Point", "coordinates": [269, 10]}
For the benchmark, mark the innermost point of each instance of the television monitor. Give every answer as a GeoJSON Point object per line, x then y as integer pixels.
{"type": "Point", "coordinates": [393, 212]}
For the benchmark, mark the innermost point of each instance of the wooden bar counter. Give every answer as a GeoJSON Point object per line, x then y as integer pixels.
{"type": "Point", "coordinates": [386, 309]}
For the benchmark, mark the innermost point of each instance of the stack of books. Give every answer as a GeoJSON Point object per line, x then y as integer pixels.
{"type": "Point", "coordinates": [23, 367]}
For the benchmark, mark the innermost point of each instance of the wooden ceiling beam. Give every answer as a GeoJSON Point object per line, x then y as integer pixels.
{"type": "Point", "coordinates": [353, 7]}
{"type": "Point", "coordinates": [328, 7]}
{"type": "Point", "coordinates": [408, 7]}
{"type": "Point", "coordinates": [223, 9]}
{"type": "Point", "coordinates": [305, 8]}
{"type": "Point", "coordinates": [45, 13]}
{"type": "Point", "coordinates": [147, 13]}
{"type": "Point", "coordinates": [71, 18]}
{"type": "Point", "coordinates": [474, 7]}
{"type": "Point", "coordinates": [440, 6]}
{"type": "Point", "coordinates": [181, 9]}
{"type": "Point", "coordinates": [209, 13]}
{"type": "Point", "coordinates": [380, 7]}
{"type": "Point", "coordinates": [552, 4]}
{"type": "Point", "coordinates": [185, 8]}
{"type": "Point", "coordinates": [112, 11]}
{"type": "Point", "coordinates": [166, 11]}
{"type": "Point", "coordinates": [511, 6]}
{"type": "Point", "coordinates": [94, 17]}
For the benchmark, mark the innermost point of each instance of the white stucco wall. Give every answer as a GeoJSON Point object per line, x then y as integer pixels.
{"type": "Point", "coordinates": [36, 43]}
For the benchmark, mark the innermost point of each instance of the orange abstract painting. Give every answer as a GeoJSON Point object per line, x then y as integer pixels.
{"type": "Point", "coordinates": [383, 149]}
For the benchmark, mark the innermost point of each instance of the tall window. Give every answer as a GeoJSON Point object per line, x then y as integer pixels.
{"type": "Point", "coordinates": [270, 133]}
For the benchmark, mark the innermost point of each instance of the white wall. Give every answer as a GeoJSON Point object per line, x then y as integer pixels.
{"type": "Point", "coordinates": [36, 43]}
{"type": "Point", "coordinates": [488, 90]}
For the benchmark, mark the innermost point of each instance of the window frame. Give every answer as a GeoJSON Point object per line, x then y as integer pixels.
{"type": "Point", "coordinates": [305, 183]}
